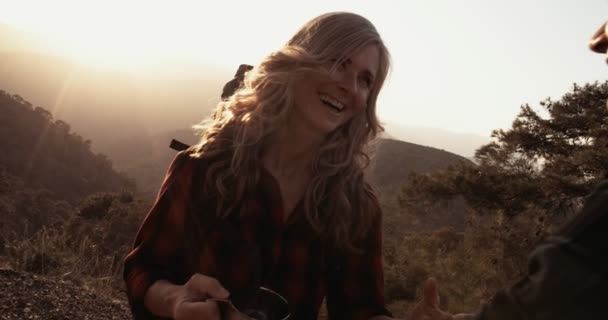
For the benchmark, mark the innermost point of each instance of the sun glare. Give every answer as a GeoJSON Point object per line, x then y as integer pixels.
{"type": "Point", "coordinates": [136, 34]}
{"type": "Point", "coordinates": [118, 36]}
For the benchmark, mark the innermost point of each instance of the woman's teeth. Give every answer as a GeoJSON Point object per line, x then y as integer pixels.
{"type": "Point", "coordinates": [331, 102]}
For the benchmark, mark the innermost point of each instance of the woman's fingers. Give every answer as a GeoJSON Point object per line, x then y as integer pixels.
{"type": "Point", "coordinates": [198, 310]}
{"type": "Point", "coordinates": [207, 286]}
{"type": "Point", "coordinates": [194, 303]}
{"type": "Point", "coordinates": [430, 294]}
{"type": "Point", "coordinates": [428, 308]}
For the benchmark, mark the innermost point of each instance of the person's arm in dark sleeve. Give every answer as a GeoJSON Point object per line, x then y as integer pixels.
{"type": "Point", "coordinates": [567, 273]}
{"type": "Point", "coordinates": [159, 240]}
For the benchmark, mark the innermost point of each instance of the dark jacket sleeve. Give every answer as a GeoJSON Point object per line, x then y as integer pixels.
{"type": "Point", "coordinates": [159, 241]}
{"type": "Point", "coordinates": [567, 273]}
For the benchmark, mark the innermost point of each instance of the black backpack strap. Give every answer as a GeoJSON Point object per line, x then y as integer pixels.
{"type": "Point", "coordinates": [237, 82]}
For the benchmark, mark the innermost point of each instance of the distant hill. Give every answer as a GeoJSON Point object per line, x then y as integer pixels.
{"type": "Point", "coordinates": [463, 144]}
{"type": "Point", "coordinates": [46, 170]}
{"type": "Point", "coordinates": [388, 153]}
{"type": "Point", "coordinates": [392, 161]}
{"type": "Point", "coordinates": [44, 153]}
{"type": "Point", "coordinates": [107, 105]}
{"type": "Point", "coordinates": [147, 157]}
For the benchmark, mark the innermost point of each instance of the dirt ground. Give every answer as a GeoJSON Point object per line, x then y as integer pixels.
{"type": "Point", "coordinates": [27, 296]}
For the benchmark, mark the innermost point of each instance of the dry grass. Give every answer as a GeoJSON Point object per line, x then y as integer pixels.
{"type": "Point", "coordinates": [86, 248]}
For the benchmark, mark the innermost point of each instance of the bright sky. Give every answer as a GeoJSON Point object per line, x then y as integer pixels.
{"type": "Point", "coordinates": [464, 66]}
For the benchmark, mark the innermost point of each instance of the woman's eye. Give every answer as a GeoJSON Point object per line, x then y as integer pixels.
{"type": "Point", "coordinates": [366, 81]}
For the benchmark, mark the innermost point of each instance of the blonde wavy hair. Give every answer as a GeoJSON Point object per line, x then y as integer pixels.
{"type": "Point", "coordinates": [339, 205]}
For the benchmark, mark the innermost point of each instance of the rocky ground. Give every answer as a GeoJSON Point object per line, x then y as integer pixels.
{"type": "Point", "coordinates": [27, 296]}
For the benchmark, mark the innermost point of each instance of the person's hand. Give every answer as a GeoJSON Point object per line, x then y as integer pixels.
{"type": "Point", "coordinates": [428, 307]}
{"type": "Point", "coordinates": [599, 41]}
{"type": "Point", "coordinates": [191, 300]}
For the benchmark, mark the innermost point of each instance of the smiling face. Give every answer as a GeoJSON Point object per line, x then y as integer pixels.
{"type": "Point", "coordinates": [323, 103]}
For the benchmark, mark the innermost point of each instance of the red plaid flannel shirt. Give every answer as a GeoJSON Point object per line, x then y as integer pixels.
{"type": "Point", "coordinates": [291, 259]}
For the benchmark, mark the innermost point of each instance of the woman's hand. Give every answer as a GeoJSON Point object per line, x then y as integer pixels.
{"type": "Point", "coordinates": [187, 301]}
{"type": "Point", "coordinates": [190, 301]}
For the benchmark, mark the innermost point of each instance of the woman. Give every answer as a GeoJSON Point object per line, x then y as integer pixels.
{"type": "Point", "coordinates": [274, 193]}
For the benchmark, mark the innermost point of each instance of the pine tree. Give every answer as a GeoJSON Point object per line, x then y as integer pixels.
{"type": "Point", "coordinates": [548, 160]}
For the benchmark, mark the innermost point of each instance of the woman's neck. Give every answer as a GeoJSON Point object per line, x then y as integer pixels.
{"type": "Point", "coordinates": [291, 150]}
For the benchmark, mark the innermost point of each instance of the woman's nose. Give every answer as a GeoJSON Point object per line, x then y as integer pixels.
{"type": "Point", "coordinates": [347, 81]}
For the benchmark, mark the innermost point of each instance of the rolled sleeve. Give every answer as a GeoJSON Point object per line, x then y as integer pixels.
{"type": "Point", "coordinates": [159, 240]}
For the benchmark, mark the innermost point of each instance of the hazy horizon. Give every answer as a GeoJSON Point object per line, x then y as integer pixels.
{"type": "Point", "coordinates": [107, 105]}
{"type": "Point", "coordinates": [463, 68]}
